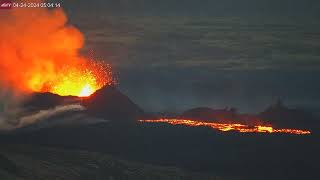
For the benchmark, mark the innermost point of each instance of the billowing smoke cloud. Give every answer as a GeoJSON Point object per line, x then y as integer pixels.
{"type": "Point", "coordinates": [39, 53]}
{"type": "Point", "coordinates": [35, 43]}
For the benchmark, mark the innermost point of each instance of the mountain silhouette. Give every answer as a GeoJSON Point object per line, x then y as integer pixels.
{"type": "Point", "coordinates": [109, 103]}
{"type": "Point", "coordinates": [39, 101]}
{"type": "Point", "coordinates": [280, 115]}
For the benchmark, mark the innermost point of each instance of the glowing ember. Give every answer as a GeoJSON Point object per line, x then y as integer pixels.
{"type": "Point", "coordinates": [87, 90]}
{"type": "Point", "coordinates": [45, 56]}
{"type": "Point", "coordinates": [79, 81]}
{"type": "Point", "coordinates": [228, 127]}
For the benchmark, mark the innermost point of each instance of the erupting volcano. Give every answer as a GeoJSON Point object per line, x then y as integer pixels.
{"type": "Point", "coordinates": [82, 80]}
{"type": "Point", "coordinates": [40, 53]}
{"type": "Point", "coordinates": [228, 127]}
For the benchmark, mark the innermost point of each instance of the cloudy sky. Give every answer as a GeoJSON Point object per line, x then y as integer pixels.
{"type": "Point", "coordinates": [177, 54]}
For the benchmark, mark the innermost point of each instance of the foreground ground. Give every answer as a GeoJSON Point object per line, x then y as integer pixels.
{"type": "Point", "coordinates": [21, 162]}
{"type": "Point", "coordinates": [156, 151]}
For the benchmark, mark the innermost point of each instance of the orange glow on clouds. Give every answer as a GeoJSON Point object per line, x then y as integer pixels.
{"type": "Point", "coordinates": [40, 52]}
{"type": "Point", "coordinates": [79, 81]}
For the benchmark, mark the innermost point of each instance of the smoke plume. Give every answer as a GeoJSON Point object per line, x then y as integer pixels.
{"type": "Point", "coordinates": [35, 43]}
{"type": "Point", "coordinates": [39, 53]}
{"type": "Point", "coordinates": [13, 120]}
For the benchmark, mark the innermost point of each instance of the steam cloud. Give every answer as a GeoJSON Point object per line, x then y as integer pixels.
{"type": "Point", "coordinates": [13, 121]}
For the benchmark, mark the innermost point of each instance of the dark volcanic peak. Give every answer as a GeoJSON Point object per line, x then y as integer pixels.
{"type": "Point", "coordinates": [280, 115]}
{"type": "Point", "coordinates": [109, 103]}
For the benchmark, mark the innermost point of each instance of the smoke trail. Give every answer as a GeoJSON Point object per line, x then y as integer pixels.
{"type": "Point", "coordinates": [12, 120]}
{"type": "Point", "coordinates": [44, 114]}
{"type": "Point", "coordinates": [9, 118]}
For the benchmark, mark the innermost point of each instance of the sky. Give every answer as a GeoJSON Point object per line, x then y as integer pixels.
{"type": "Point", "coordinates": [171, 55]}
{"type": "Point", "coordinates": [229, 34]}
{"type": "Point", "coordinates": [214, 7]}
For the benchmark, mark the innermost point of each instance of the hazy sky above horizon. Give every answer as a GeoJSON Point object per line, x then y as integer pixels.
{"type": "Point", "coordinates": [203, 7]}
{"type": "Point", "coordinates": [247, 34]}
{"type": "Point", "coordinates": [210, 53]}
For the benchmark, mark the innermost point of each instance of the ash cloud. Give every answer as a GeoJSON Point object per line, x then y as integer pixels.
{"type": "Point", "coordinates": [36, 44]}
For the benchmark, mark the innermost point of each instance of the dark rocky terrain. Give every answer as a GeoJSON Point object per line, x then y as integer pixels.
{"type": "Point", "coordinates": [195, 149]}
{"type": "Point", "coordinates": [110, 103]}
{"type": "Point", "coordinates": [80, 146]}
{"type": "Point", "coordinates": [25, 162]}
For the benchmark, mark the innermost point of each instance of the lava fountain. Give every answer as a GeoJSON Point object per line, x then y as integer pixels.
{"type": "Point", "coordinates": [228, 126]}
{"type": "Point", "coordinates": [82, 80]}
{"type": "Point", "coordinates": [40, 53]}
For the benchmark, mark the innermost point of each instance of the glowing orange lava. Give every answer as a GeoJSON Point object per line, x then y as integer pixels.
{"type": "Point", "coordinates": [228, 127]}
{"type": "Point", "coordinates": [79, 81]}
{"type": "Point", "coordinates": [45, 56]}
{"type": "Point", "coordinates": [87, 90]}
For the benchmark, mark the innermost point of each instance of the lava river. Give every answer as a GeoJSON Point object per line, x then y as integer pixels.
{"type": "Point", "coordinates": [228, 127]}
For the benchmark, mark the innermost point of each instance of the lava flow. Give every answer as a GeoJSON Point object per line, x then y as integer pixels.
{"type": "Point", "coordinates": [228, 127]}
